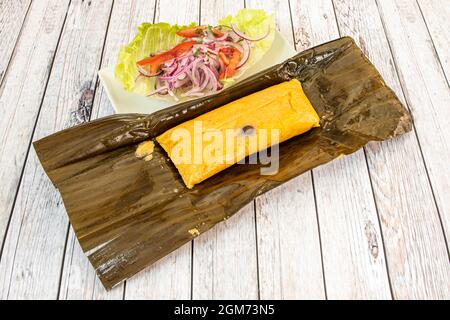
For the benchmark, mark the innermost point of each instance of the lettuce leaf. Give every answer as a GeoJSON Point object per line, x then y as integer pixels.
{"type": "Point", "coordinates": [255, 24]}
{"type": "Point", "coordinates": [152, 38]}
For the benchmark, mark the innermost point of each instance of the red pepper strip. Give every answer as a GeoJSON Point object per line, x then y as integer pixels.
{"type": "Point", "coordinates": [152, 64]}
{"type": "Point", "coordinates": [216, 32]}
{"type": "Point", "coordinates": [230, 68]}
{"type": "Point", "coordinates": [191, 32]}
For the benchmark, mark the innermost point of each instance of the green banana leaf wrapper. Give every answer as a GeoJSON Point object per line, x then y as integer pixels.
{"type": "Point", "coordinates": [128, 213]}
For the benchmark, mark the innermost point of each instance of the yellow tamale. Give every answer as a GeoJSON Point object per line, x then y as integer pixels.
{"type": "Point", "coordinates": [220, 138]}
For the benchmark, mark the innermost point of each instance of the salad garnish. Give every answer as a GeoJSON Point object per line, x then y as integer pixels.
{"type": "Point", "coordinates": [184, 62]}
{"type": "Point", "coordinates": [196, 66]}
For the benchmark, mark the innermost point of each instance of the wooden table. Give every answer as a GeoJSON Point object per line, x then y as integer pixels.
{"type": "Point", "coordinates": [374, 224]}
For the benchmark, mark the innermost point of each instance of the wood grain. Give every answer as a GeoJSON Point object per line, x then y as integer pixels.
{"type": "Point", "coordinates": [225, 265]}
{"type": "Point", "coordinates": [436, 15]}
{"type": "Point", "coordinates": [289, 253]}
{"type": "Point", "coordinates": [287, 216]}
{"type": "Point", "coordinates": [353, 268]}
{"type": "Point", "coordinates": [415, 247]}
{"type": "Point", "coordinates": [20, 98]}
{"type": "Point", "coordinates": [12, 17]}
{"type": "Point", "coordinates": [34, 248]}
{"type": "Point", "coordinates": [426, 91]}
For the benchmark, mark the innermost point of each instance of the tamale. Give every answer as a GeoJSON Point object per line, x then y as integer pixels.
{"type": "Point", "coordinates": [252, 122]}
{"type": "Point", "coordinates": [127, 213]}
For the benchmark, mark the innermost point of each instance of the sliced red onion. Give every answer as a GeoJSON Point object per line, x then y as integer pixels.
{"type": "Point", "coordinates": [179, 83]}
{"type": "Point", "coordinates": [233, 36]}
{"type": "Point", "coordinates": [205, 79]}
{"type": "Point", "coordinates": [178, 72]}
{"type": "Point", "coordinates": [170, 63]}
{"type": "Point", "coordinates": [171, 70]}
{"type": "Point", "coordinates": [214, 63]}
{"type": "Point", "coordinates": [213, 78]}
{"type": "Point", "coordinates": [197, 72]}
{"type": "Point", "coordinates": [184, 61]}
{"type": "Point", "coordinates": [230, 44]}
{"type": "Point", "coordinates": [195, 76]}
{"type": "Point", "coordinates": [244, 36]}
{"type": "Point", "coordinates": [245, 54]}
{"type": "Point", "coordinates": [214, 70]}
{"type": "Point", "coordinates": [160, 90]}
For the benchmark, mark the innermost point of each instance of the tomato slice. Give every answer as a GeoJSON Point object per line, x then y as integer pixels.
{"type": "Point", "coordinates": [191, 32]}
{"type": "Point", "coordinates": [151, 65]}
{"type": "Point", "coordinates": [233, 56]}
{"type": "Point", "coordinates": [182, 48]}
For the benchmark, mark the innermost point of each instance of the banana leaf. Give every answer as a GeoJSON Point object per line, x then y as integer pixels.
{"type": "Point", "coordinates": [128, 213]}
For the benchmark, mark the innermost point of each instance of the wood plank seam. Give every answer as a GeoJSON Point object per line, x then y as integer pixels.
{"type": "Point", "coordinates": [414, 126]}
{"type": "Point", "coordinates": [405, 225]}
{"type": "Point", "coordinates": [126, 21]}
{"type": "Point", "coordinates": [89, 119]}
{"type": "Point", "coordinates": [270, 286]}
{"type": "Point", "coordinates": [169, 278]}
{"type": "Point", "coordinates": [62, 262]}
{"type": "Point", "coordinates": [436, 13]}
{"type": "Point", "coordinates": [192, 270]}
{"type": "Point", "coordinates": [371, 185]}
{"type": "Point", "coordinates": [312, 181]}
{"type": "Point", "coordinates": [292, 22]}
{"type": "Point", "coordinates": [32, 133]}
{"type": "Point", "coordinates": [311, 173]}
{"type": "Point", "coordinates": [365, 175]}
{"type": "Point", "coordinates": [432, 42]}
{"type": "Point", "coordinates": [256, 251]}
{"type": "Point", "coordinates": [213, 276]}
{"type": "Point", "coordinates": [71, 259]}
{"type": "Point", "coordinates": [192, 241]}
{"type": "Point", "coordinates": [14, 258]}
{"type": "Point", "coordinates": [3, 76]}
{"type": "Point", "coordinates": [379, 222]}
{"type": "Point", "coordinates": [419, 146]}
{"type": "Point", "coordinates": [59, 56]}
{"type": "Point", "coordinates": [256, 230]}
{"type": "Point", "coordinates": [154, 19]}
{"type": "Point", "coordinates": [124, 290]}
{"type": "Point", "coordinates": [319, 234]}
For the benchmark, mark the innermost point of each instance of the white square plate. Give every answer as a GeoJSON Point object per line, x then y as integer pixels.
{"type": "Point", "coordinates": [126, 102]}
